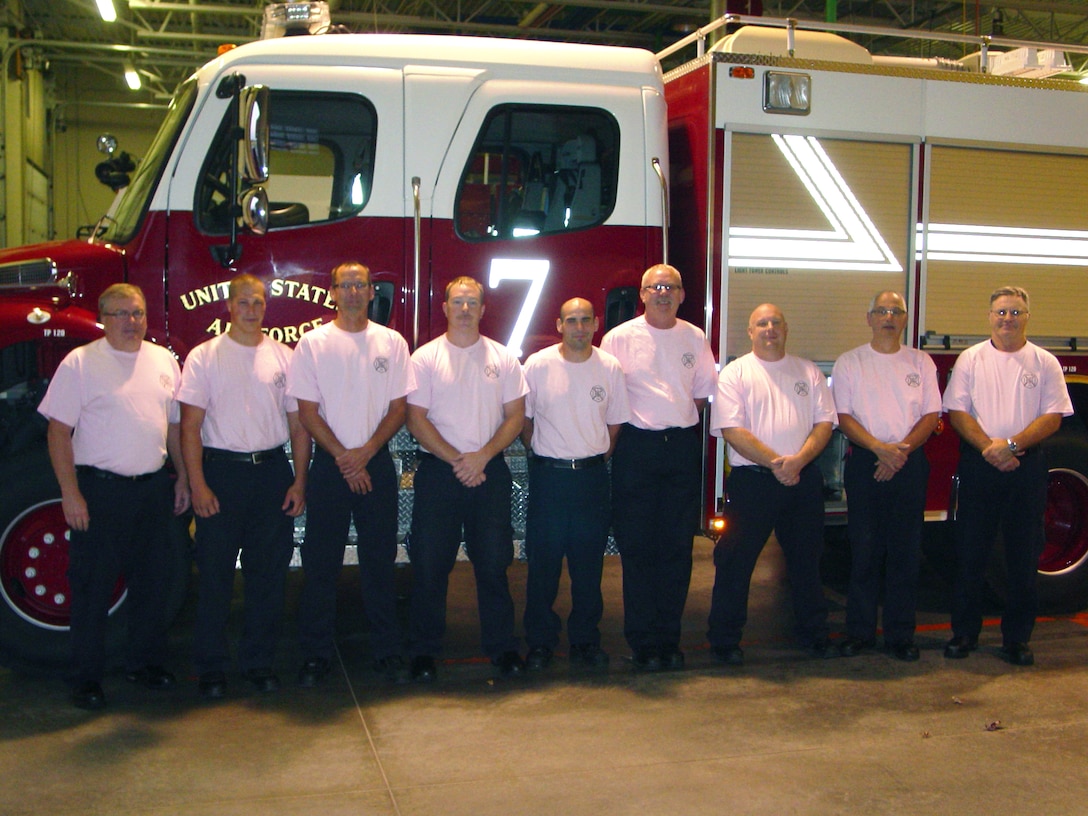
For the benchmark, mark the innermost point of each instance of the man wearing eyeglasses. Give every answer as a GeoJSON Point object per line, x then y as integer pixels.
{"type": "Point", "coordinates": [113, 418]}
{"type": "Point", "coordinates": [235, 420]}
{"type": "Point", "coordinates": [888, 404]}
{"type": "Point", "coordinates": [1004, 397]}
{"type": "Point", "coordinates": [656, 468]}
{"type": "Point", "coordinates": [351, 378]}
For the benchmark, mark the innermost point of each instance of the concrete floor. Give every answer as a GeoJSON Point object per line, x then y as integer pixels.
{"type": "Point", "coordinates": [784, 734]}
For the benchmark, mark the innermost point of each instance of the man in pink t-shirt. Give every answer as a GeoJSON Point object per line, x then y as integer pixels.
{"type": "Point", "coordinates": [467, 407]}
{"type": "Point", "coordinates": [351, 378]}
{"type": "Point", "coordinates": [235, 419]}
{"type": "Point", "coordinates": [113, 418]}
{"type": "Point", "coordinates": [888, 404]}
{"type": "Point", "coordinates": [657, 480]}
{"type": "Point", "coordinates": [1005, 396]}
{"type": "Point", "coordinates": [576, 406]}
{"type": "Point", "coordinates": [776, 413]}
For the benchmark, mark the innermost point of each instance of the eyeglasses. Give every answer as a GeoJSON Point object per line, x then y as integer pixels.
{"type": "Point", "coordinates": [662, 288]}
{"type": "Point", "coordinates": [883, 311]}
{"type": "Point", "coordinates": [125, 314]}
{"type": "Point", "coordinates": [353, 286]}
{"type": "Point", "coordinates": [1009, 312]}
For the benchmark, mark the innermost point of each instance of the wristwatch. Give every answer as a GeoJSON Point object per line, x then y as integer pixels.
{"type": "Point", "coordinates": [1013, 447]}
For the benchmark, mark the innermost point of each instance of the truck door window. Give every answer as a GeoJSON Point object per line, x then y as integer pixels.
{"type": "Point", "coordinates": [321, 162]}
{"type": "Point", "coordinates": [538, 170]}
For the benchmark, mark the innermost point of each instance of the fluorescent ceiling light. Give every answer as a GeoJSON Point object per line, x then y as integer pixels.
{"type": "Point", "coordinates": [132, 79]}
{"type": "Point", "coordinates": [106, 9]}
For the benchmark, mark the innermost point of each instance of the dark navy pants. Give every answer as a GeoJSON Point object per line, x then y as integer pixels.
{"type": "Point", "coordinates": [568, 517]}
{"type": "Point", "coordinates": [1013, 503]}
{"type": "Point", "coordinates": [656, 485]}
{"type": "Point", "coordinates": [250, 520]}
{"type": "Point", "coordinates": [330, 508]}
{"type": "Point", "coordinates": [885, 528]}
{"type": "Point", "coordinates": [758, 504]}
{"type": "Point", "coordinates": [443, 508]}
{"type": "Point", "coordinates": [127, 538]}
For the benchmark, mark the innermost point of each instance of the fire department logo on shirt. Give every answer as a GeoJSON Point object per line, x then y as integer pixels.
{"type": "Point", "coordinates": [166, 381]}
{"type": "Point", "coordinates": [800, 388]}
{"type": "Point", "coordinates": [913, 380]}
{"type": "Point", "coordinates": [279, 380]}
{"type": "Point", "coordinates": [491, 371]}
{"type": "Point", "coordinates": [1029, 379]}
{"type": "Point", "coordinates": [381, 364]}
{"type": "Point", "coordinates": [597, 393]}
{"type": "Point", "coordinates": [688, 360]}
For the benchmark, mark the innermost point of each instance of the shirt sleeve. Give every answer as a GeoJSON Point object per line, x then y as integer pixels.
{"type": "Point", "coordinates": [728, 409]}
{"type": "Point", "coordinates": [62, 400]}
{"type": "Point", "coordinates": [194, 386]}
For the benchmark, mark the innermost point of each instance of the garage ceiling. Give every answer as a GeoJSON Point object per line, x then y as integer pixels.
{"type": "Point", "coordinates": [167, 39]}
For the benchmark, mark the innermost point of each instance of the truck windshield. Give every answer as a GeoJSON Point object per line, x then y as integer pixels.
{"type": "Point", "coordinates": [134, 201]}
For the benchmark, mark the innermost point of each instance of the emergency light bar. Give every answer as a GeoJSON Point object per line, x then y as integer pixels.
{"type": "Point", "coordinates": [293, 19]}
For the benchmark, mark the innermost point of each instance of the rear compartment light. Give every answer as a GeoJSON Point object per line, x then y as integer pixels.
{"type": "Point", "coordinates": [785, 92]}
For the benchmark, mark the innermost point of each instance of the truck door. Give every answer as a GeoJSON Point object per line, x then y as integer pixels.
{"type": "Point", "coordinates": [541, 196]}
{"type": "Point", "coordinates": [335, 194]}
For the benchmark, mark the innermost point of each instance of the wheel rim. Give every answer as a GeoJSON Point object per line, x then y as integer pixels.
{"type": "Point", "coordinates": [34, 568]}
{"type": "Point", "coordinates": [1066, 522]}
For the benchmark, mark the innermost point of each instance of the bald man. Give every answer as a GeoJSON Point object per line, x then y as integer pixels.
{"type": "Point", "coordinates": [576, 404]}
{"type": "Point", "coordinates": [775, 412]}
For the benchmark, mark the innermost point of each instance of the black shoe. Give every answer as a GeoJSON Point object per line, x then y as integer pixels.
{"type": "Point", "coordinates": [646, 659]}
{"type": "Point", "coordinates": [1019, 654]}
{"type": "Point", "coordinates": [313, 671]}
{"type": "Point", "coordinates": [729, 655]}
{"type": "Point", "coordinates": [423, 669]}
{"type": "Point", "coordinates": [853, 646]}
{"type": "Point", "coordinates": [823, 648]}
{"type": "Point", "coordinates": [212, 685]}
{"type": "Point", "coordinates": [509, 664]}
{"type": "Point", "coordinates": [960, 646]}
{"type": "Point", "coordinates": [151, 677]}
{"type": "Point", "coordinates": [589, 655]}
{"type": "Point", "coordinates": [392, 668]}
{"type": "Point", "coordinates": [672, 659]}
{"type": "Point", "coordinates": [538, 658]}
{"type": "Point", "coordinates": [905, 651]}
{"type": "Point", "coordinates": [89, 696]}
{"type": "Point", "coordinates": [264, 680]}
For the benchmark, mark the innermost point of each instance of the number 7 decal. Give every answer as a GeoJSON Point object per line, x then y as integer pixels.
{"type": "Point", "coordinates": [520, 269]}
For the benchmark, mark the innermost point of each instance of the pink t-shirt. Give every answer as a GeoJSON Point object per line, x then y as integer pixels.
{"type": "Point", "coordinates": [243, 391]}
{"type": "Point", "coordinates": [118, 402]}
{"type": "Point", "coordinates": [665, 370]}
{"type": "Point", "coordinates": [352, 376]}
{"type": "Point", "coordinates": [1007, 391]}
{"type": "Point", "coordinates": [886, 393]}
{"type": "Point", "coordinates": [779, 402]}
{"type": "Point", "coordinates": [572, 404]}
{"type": "Point", "coordinates": [464, 389]}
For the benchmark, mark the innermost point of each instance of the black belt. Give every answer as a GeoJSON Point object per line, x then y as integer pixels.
{"type": "Point", "coordinates": [570, 464]}
{"type": "Point", "coordinates": [98, 473]}
{"type": "Point", "coordinates": [254, 458]}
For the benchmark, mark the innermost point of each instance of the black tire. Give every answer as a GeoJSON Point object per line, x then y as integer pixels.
{"type": "Point", "coordinates": [32, 632]}
{"type": "Point", "coordinates": [1063, 568]}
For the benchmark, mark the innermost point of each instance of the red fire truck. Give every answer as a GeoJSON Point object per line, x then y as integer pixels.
{"type": "Point", "coordinates": [543, 170]}
{"type": "Point", "coordinates": [536, 167]}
